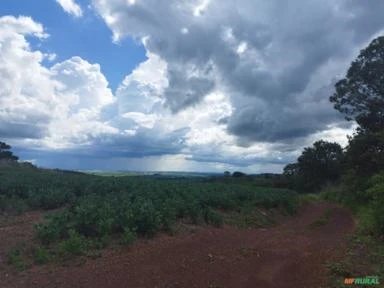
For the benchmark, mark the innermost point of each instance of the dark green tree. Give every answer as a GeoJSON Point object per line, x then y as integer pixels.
{"type": "Point", "coordinates": [291, 169]}
{"type": "Point", "coordinates": [238, 174]}
{"type": "Point", "coordinates": [365, 153]}
{"type": "Point", "coordinates": [316, 166]}
{"type": "Point", "coordinates": [360, 95]}
{"type": "Point", "coordinates": [6, 154]}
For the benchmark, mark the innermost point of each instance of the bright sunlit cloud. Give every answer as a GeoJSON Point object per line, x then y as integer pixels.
{"type": "Point", "coordinates": [177, 85]}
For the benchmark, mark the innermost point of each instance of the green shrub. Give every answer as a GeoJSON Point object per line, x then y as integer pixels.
{"type": "Point", "coordinates": [94, 217]}
{"type": "Point", "coordinates": [54, 198]}
{"type": "Point", "coordinates": [147, 218]}
{"type": "Point", "coordinates": [128, 237]}
{"type": "Point", "coordinates": [54, 229]}
{"type": "Point", "coordinates": [125, 218]}
{"type": "Point", "coordinates": [376, 193]}
{"type": "Point", "coordinates": [168, 214]}
{"type": "Point", "coordinates": [13, 205]}
{"type": "Point", "coordinates": [213, 217]}
{"type": "Point", "coordinates": [366, 218]}
{"type": "Point", "coordinates": [310, 198]}
{"type": "Point", "coordinates": [194, 212]}
{"type": "Point", "coordinates": [75, 245]}
{"type": "Point", "coordinates": [41, 256]}
{"type": "Point", "coordinates": [291, 204]}
{"type": "Point", "coordinates": [334, 193]}
{"type": "Point", "coordinates": [365, 196]}
{"type": "Point", "coordinates": [15, 259]}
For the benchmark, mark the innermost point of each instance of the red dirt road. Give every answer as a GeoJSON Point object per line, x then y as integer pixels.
{"type": "Point", "coordinates": [291, 255]}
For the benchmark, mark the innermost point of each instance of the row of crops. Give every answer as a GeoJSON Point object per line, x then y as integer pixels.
{"type": "Point", "coordinates": [96, 208]}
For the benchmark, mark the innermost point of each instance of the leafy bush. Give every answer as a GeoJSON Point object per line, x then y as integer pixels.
{"type": "Point", "coordinates": [55, 228]}
{"type": "Point", "coordinates": [41, 256]}
{"type": "Point", "coordinates": [94, 217]}
{"type": "Point", "coordinates": [128, 237]}
{"type": "Point", "coordinates": [367, 222]}
{"type": "Point", "coordinates": [147, 218]}
{"type": "Point", "coordinates": [364, 196]}
{"type": "Point", "coordinates": [76, 244]}
{"type": "Point", "coordinates": [213, 217]}
{"type": "Point", "coordinates": [13, 205]}
{"type": "Point", "coordinates": [376, 192]}
{"type": "Point", "coordinates": [14, 258]}
{"type": "Point", "coordinates": [54, 198]}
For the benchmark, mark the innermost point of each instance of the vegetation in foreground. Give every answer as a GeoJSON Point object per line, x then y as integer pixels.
{"type": "Point", "coordinates": [90, 211]}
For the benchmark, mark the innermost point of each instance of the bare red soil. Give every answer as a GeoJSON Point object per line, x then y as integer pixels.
{"type": "Point", "coordinates": [292, 254]}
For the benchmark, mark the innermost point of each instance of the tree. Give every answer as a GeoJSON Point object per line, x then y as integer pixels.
{"type": "Point", "coordinates": [291, 169]}
{"type": "Point", "coordinates": [316, 166]}
{"type": "Point", "coordinates": [6, 154]}
{"type": "Point", "coordinates": [238, 174]}
{"type": "Point", "coordinates": [360, 95]}
{"type": "Point", "coordinates": [365, 153]}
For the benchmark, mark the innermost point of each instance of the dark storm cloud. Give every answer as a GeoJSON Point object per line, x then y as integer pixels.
{"type": "Point", "coordinates": [286, 44]}
{"type": "Point", "coordinates": [106, 152]}
{"type": "Point", "coordinates": [368, 17]}
{"type": "Point", "coordinates": [143, 143]}
{"type": "Point", "coordinates": [183, 92]}
{"type": "Point", "coordinates": [21, 130]}
{"type": "Point", "coordinates": [285, 122]}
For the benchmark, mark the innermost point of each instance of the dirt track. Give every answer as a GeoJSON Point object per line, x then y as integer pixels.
{"type": "Point", "coordinates": [292, 254]}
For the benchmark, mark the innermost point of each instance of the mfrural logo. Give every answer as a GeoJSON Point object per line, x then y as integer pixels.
{"type": "Point", "coordinates": [368, 280]}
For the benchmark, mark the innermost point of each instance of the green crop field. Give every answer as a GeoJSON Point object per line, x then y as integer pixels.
{"type": "Point", "coordinates": [94, 208]}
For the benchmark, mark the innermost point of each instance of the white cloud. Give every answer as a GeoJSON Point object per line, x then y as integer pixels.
{"type": "Point", "coordinates": [143, 120]}
{"type": "Point", "coordinates": [26, 97]}
{"type": "Point", "coordinates": [9, 26]}
{"type": "Point", "coordinates": [224, 83]}
{"type": "Point", "coordinates": [267, 68]}
{"type": "Point", "coordinates": [58, 106]}
{"type": "Point", "coordinates": [71, 7]}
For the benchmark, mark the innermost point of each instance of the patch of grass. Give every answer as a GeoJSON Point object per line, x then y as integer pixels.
{"type": "Point", "coordinates": [342, 269]}
{"type": "Point", "coordinates": [213, 217]}
{"type": "Point", "coordinates": [128, 237]}
{"type": "Point", "coordinates": [364, 257]}
{"type": "Point", "coordinates": [309, 198]}
{"type": "Point", "coordinates": [323, 220]}
{"type": "Point", "coordinates": [250, 218]}
{"type": "Point", "coordinates": [41, 256]}
{"type": "Point", "coordinates": [14, 258]}
{"type": "Point", "coordinates": [75, 245]}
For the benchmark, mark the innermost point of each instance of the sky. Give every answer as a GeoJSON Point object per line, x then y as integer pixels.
{"type": "Point", "coordinates": [176, 85]}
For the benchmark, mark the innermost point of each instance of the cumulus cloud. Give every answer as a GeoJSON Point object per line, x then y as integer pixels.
{"type": "Point", "coordinates": [25, 95]}
{"type": "Point", "coordinates": [197, 133]}
{"type": "Point", "coordinates": [275, 60]}
{"type": "Point", "coordinates": [71, 7]}
{"type": "Point", "coordinates": [226, 84]}
{"type": "Point", "coordinates": [58, 106]}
